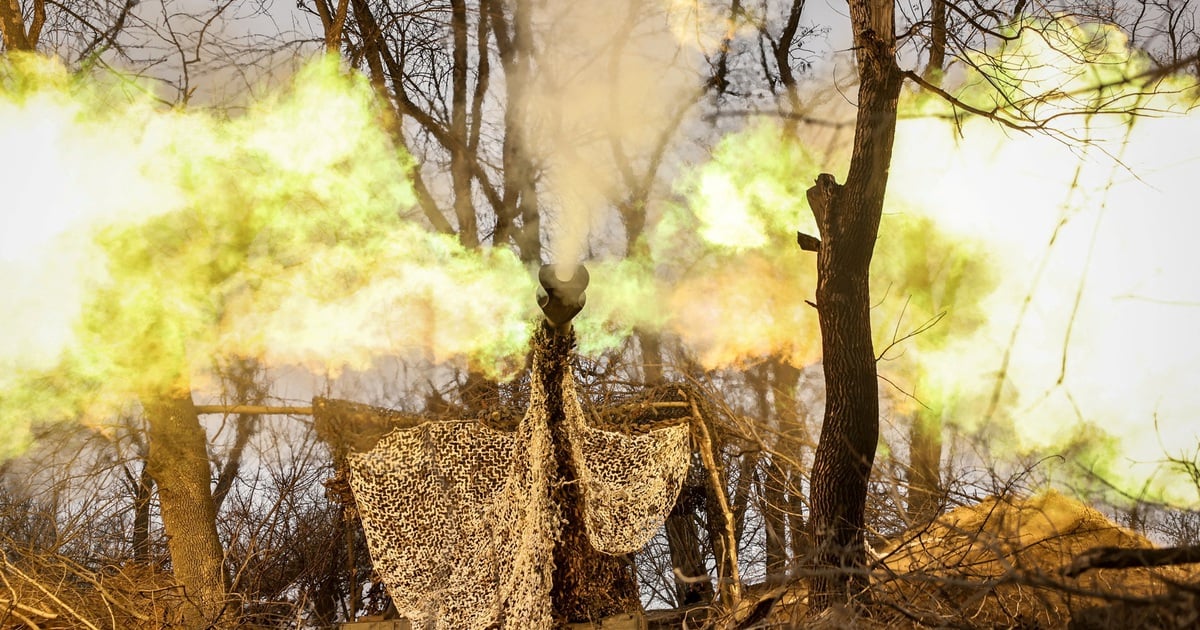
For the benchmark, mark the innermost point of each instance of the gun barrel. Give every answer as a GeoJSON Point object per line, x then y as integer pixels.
{"type": "Point", "coordinates": [562, 299]}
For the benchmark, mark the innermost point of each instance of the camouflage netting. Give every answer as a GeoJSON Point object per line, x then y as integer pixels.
{"type": "Point", "coordinates": [458, 515]}
{"type": "Point", "coordinates": [630, 482]}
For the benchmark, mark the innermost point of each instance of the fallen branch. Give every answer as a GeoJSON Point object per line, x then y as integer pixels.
{"type": "Point", "coordinates": [45, 614]}
{"type": "Point", "coordinates": [1124, 558]}
{"type": "Point", "coordinates": [26, 620]}
{"type": "Point", "coordinates": [656, 405]}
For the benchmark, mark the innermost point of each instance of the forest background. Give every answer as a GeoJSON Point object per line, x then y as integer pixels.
{"type": "Point", "coordinates": [202, 209]}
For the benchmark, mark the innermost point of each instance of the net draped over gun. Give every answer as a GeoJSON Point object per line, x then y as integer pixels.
{"type": "Point", "coordinates": [462, 519]}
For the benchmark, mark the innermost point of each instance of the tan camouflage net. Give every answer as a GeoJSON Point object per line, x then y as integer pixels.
{"type": "Point", "coordinates": [630, 482]}
{"type": "Point", "coordinates": [459, 520]}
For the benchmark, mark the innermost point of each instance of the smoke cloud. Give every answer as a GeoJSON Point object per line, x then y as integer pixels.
{"type": "Point", "coordinates": [140, 242]}
{"type": "Point", "coordinates": [1095, 303]}
{"type": "Point", "coordinates": [607, 79]}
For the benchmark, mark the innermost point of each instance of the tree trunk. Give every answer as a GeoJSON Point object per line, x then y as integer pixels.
{"type": "Point", "coordinates": [246, 425]}
{"type": "Point", "coordinates": [801, 541]}
{"type": "Point", "coordinates": [1127, 558]}
{"type": "Point", "coordinates": [178, 461]}
{"type": "Point", "coordinates": [937, 43]}
{"type": "Point", "coordinates": [460, 168]}
{"type": "Point", "coordinates": [772, 488]}
{"type": "Point", "coordinates": [925, 434]}
{"type": "Point", "coordinates": [243, 377]}
{"type": "Point", "coordinates": [850, 428]}
{"type": "Point", "coordinates": [848, 218]}
{"type": "Point", "coordinates": [520, 174]}
{"type": "Point", "coordinates": [683, 534]}
{"type": "Point", "coordinates": [743, 491]}
{"type": "Point", "coordinates": [925, 470]}
{"type": "Point", "coordinates": [720, 522]}
{"type": "Point", "coordinates": [652, 357]}
{"type": "Point", "coordinates": [793, 439]}
{"type": "Point", "coordinates": [685, 550]}
{"type": "Point", "coordinates": [12, 26]}
{"type": "Point", "coordinates": [143, 490]}
{"type": "Point", "coordinates": [774, 509]}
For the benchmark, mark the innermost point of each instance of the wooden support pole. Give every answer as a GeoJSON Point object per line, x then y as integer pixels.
{"type": "Point", "coordinates": [730, 580]}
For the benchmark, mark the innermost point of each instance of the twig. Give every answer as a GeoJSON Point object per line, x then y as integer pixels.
{"type": "Point", "coordinates": [928, 324]}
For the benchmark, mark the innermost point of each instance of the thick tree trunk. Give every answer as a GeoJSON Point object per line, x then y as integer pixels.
{"type": "Point", "coordinates": [848, 218]}
{"type": "Point", "coordinates": [850, 429]}
{"type": "Point", "coordinates": [178, 461]}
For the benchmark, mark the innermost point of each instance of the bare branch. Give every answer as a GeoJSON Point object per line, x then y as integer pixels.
{"type": "Point", "coordinates": [265, 410]}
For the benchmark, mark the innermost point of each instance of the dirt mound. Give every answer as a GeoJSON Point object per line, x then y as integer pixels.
{"type": "Point", "coordinates": [999, 564]}
{"type": "Point", "coordinates": [989, 539]}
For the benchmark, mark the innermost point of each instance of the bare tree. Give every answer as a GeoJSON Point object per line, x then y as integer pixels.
{"type": "Point", "coordinates": [848, 217]}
